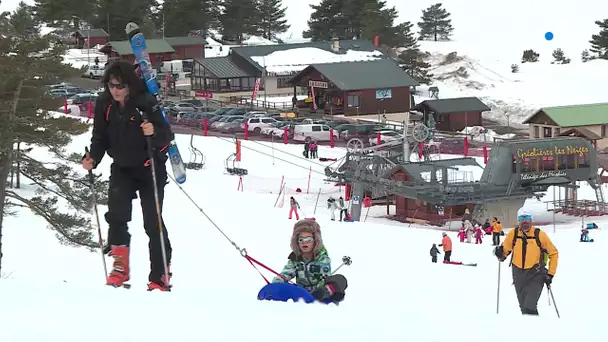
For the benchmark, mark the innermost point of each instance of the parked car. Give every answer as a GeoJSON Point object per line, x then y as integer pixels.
{"type": "Point", "coordinates": [183, 107]}
{"type": "Point", "coordinates": [236, 111]}
{"type": "Point", "coordinates": [269, 129]}
{"type": "Point", "coordinates": [385, 136]}
{"type": "Point", "coordinates": [225, 120]}
{"type": "Point", "coordinates": [255, 124]}
{"type": "Point", "coordinates": [313, 131]}
{"type": "Point", "coordinates": [93, 71]}
{"type": "Point", "coordinates": [362, 131]}
{"type": "Point", "coordinates": [234, 126]}
{"type": "Point", "coordinates": [82, 98]}
{"type": "Point", "coordinates": [222, 111]}
{"type": "Point", "coordinates": [279, 132]}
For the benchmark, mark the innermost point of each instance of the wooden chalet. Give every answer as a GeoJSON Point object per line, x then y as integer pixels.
{"type": "Point", "coordinates": [355, 88]}
{"type": "Point", "coordinates": [454, 114]}
{"type": "Point", "coordinates": [160, 50]}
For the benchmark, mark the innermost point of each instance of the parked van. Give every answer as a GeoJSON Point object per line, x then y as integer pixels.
{"type": "Point", "coordinates": [313, 131]}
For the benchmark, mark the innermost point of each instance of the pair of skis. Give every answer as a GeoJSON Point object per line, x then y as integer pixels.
{"type": "Point", "coordinates": [139, 47]}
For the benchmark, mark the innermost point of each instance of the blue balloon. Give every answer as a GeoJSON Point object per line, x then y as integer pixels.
{"type": "Point", "coordinates": [549, 36]}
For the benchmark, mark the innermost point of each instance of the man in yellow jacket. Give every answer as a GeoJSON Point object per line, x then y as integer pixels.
{"type": "Point", "coordinates": [531, 247]}
{"type": "Point", "coordinates": [496, 231]}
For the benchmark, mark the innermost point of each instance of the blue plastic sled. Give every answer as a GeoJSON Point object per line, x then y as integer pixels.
{"type": "Point", "coordinates": [592, 226]}
{"type": "Point", "coordinates": [282, 292]}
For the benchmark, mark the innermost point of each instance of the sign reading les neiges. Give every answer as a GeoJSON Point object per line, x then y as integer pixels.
{"type": "Point", "coordinates": [552, 151]}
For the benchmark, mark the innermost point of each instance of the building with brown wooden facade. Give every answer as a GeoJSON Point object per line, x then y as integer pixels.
{"type": "Point", "coordinates": [355, 88]}
{"type": "Point", "coordinates": [454, 114]}
{"type": "Point", "coordinates": [160, 50]}
{"type": "Point", "coordinates": [90, 38]}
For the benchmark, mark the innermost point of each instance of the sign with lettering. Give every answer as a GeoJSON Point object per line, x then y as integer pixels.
{"type": "Point", "coordinates": [382, 94]}
{"type": "Point", "coordinates": [318, 84]}
{"type": "Point", "coordinates": [552, 152]}
{"type": "Point", "coordinates": [534, 176]}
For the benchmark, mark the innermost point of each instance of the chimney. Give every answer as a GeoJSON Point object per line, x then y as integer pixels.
{"type": "Point", "coordinates": [335, 45]}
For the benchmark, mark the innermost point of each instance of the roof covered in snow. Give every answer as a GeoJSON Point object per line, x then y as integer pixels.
{"type": "Point", "coordinates": [247, 52]}
{"type": "Point", "coordinates": [287, 62]}
{"type": "Point", "coordinates": [376, 74]}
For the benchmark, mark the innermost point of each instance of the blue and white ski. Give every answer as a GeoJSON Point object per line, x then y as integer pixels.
{"type": "Point", "coordinates": [138, 44]}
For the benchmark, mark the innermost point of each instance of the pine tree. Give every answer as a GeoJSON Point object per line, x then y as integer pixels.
{"type": "Point", "coordinates": [239, 18]}
{"type": "Point", "coordinates": [529, 56]}
{"type": "Point", "coordinates": [560, 57]}
{"type": "Point", "coordinates": [56, 12]}
{"type": "Point", "coordinates": [356, 19]}
{"type": "Point", "coordinates": [28, 62]}
{"type": "Point", "coordinates": [411, 58]}
{"type": "Point", "coordinates": [435, 23]}
{"type": "Point", "coordinates": [181, 17]}
{"type": "Point", "coordinates": [599, 42]}
{"type": "Point", "coordinates": [586, 56]}
{"type": "Point", "coordinates": [272, 15]}
{"type": "Point", "coordinates": [114, 16]}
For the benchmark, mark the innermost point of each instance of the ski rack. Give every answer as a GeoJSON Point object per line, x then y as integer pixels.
{"type": "Point", "coordinates": [197, 158]}
{"type": "Point", "coordinates": [231, 166]}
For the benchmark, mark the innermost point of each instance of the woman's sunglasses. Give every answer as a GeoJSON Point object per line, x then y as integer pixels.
{"type": "Point", "coordinates": [118, 86]}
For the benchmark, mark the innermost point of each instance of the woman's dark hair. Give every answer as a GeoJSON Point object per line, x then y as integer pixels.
{"type": "Point", "coordinates": [125, 72]}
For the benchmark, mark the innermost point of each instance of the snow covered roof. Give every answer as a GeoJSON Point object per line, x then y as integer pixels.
{"type": "Point", "coordinates": [289, 61]}
{"type": "Point", "coordinates": [246, 52]}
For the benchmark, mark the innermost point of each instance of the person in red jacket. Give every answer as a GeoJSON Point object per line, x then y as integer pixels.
{"type": "Point", "coordinates": [462, 234]}
{"type": "Point", "coordinates": [478, 234]}
{"type": "Point", "coordinates": [446, 243]}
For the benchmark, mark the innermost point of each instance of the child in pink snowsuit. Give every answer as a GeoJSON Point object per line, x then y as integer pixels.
{"type": "Point", "coordinates": [478, 234]}
{"type": "Point", "coordinates": [461, 234]}
{"type": "Point", "coordinates": [294, 206]}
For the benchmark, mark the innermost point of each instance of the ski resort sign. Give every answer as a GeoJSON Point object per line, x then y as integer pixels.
{"type": "Point", "coordinates": [534, 176]}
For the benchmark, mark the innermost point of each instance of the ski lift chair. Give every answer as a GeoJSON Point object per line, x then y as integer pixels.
{"type": "Point", "coordinates": [231, 168]}
{"type": "Point", "coordinates": [197, 158]}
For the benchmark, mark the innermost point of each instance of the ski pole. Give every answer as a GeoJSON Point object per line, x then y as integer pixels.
{"type": "Point", "coordinates": [498, 290]}
{"type": "Point", "coordinates": [100, 240]}
{"type": "Point", "coordinates": [346, 260]}
{"type": "Point", "coordinates": [553, 299]}
{"type": "Point", "coordinates": [157, 199]}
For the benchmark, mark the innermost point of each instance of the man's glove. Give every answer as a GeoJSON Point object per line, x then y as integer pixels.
{"type": "Point", "coordinates": [549, 279]}
{"type": "Point", "coordinates": [499, 252]}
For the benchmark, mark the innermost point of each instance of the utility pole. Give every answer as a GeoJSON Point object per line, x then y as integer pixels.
{"type": "Point", "coordinates": [264, 78]}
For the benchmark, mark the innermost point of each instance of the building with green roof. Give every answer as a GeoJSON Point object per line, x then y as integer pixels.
{"type": "Point", "coordinates": [585, 120]}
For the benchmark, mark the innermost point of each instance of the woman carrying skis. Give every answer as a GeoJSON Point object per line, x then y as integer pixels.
{"type": "Point", "coordinates": [120, 130]}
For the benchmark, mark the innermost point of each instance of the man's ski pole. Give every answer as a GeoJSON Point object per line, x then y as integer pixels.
{"type": "Point", "coordinates": [157, 199]}
{"type": "Point", "coordinates": [553, 300]}
{"type": "Point", "coordinates": [100, 240]}
{"type": "Point", "coordinates": [498, 290]}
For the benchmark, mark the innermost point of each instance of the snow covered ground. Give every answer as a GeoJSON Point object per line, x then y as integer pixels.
{"type": "Point", "coordinates": [56, 293]}
{"type": "Point", "coordinates": [81, 58]}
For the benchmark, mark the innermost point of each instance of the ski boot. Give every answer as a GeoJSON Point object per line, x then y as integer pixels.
{"type": "Point", "coordinates": [164, 284]}
{"type": "Point", "coordinates": [120, 269]}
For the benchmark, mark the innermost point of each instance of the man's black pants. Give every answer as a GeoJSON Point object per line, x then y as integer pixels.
{"type": "Point", "coordinates": [124, 182]}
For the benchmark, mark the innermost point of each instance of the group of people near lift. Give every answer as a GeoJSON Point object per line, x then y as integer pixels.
{"type": "Point", "coordinates": [533, 261]}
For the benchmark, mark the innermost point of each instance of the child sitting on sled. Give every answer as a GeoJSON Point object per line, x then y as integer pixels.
{"type": "Point", "coordinates": [310, 264]}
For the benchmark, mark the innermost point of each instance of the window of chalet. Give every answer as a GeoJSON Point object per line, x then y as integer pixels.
{"type": "Point", "coordinates": [547, 132]}
{"type": "Point", "coordinates": [604, 131]}
{"type": "Point", "coordinates": [282, 82]}
{"type": "Point", "coordinates": [536, 131]}
{"type": "Point", "coordinates": [557, 131]}
{"type": "Point", "coordinates": [354, 101]}
{"type": "Point", "coordinates": [548, 164]}
{"type": "Point", "coordinates": [245, 83]}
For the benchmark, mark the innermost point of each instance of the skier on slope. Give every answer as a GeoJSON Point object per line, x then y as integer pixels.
{"type": "Point", "coordinates": [531, 247]}
{"type": "Point", "coordinates": [120, 130]}
{"type": "Point", "coordinates": [310, 264]}
{"type": "Point", "coordinates": [332, 206]}
{"type": "Point", "coordinates": [293, 208]}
